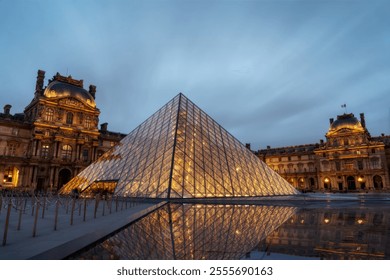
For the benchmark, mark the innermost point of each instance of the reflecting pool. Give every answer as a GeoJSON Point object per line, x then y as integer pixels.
{"type": "Point", "coordinates": [203, 231]}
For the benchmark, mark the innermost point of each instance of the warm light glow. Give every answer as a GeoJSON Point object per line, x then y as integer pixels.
{"type": "Point", "coordinates": [360, 221]}
{"type": "Point", "coordinates": [326, 180]}
{"type": "Point", "coordinates": [360, 179]}
{"type": "Point", "coordinates": [326, 221]}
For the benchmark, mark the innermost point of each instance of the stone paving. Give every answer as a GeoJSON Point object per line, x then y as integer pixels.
{"type": "Point", "coordinates": [34, 231]}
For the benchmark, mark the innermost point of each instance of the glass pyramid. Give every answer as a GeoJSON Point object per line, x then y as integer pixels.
{"type": "Point", "coordinates": [193, 232]}
{"type": "Point", "coordinates": [180, 152]}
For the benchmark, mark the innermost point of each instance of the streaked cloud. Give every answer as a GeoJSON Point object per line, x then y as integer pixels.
{"type": "Point", "coordinates": [271, 72]}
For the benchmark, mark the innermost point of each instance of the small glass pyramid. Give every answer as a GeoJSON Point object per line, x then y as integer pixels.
{"type": "Point", "coordinates": [180, 152]}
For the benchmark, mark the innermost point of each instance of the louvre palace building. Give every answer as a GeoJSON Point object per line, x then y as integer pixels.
{"type": "Point", "coordinates": [58, 136]}
{"type": "Point", "coordinates": [55, 137]}
{"type": "Point", "coordinates": [349, 160]}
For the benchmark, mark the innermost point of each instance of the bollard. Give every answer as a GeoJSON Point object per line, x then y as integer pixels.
{"type": "Point", "coordinates": [25, 205]}
{"type": "Point", "coordinates": [85, 209]}
{"type": "Point", "coordinates": [104, 207]}
{"type": "Point", "coordinates": [44, 206]}
{"type": "Point", "coordinates": [110, 204]}
{"type": "Point", "coordinates": [79, 208]}
{"type": "Point", "coordinates": [36, 220]}
{"type": "Point", "coordinates": [96, 206]}
{"type": "Point", "coordinates": [116, 204]}
{"type": "Point", "coordinates": [32, 206]}
{"type": "Point", "coordinates": [122, 204]}
{"type": "Point", "coordinates": [71, 214]}
{"type": "Point", "coordinates": [20, 218]}
{"type": "Point", "coordinates": [67, 206]}
{"type": "Point", "coordinates": [1, 203]}
{"type": "Point", "coordinates": [56, 215]}
{"type": "Point", "coordinates": [6, 224]}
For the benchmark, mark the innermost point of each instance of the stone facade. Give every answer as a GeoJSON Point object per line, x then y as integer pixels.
{"type": "Point", "coordinates": [349, 160]}
{"type": "Point", "coordinates": [55, 137]}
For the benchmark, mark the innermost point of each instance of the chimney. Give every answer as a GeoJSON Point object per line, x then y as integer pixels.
{"type": "Point", "coordinates": [40, 81]}
{"type": "Point", "coordinates": [331, 121]}
{"type": "Point", "coordinates": [268, 147]}
{"type": "Point", "coordinates": [362, 120]}
{"type": "Point", "coordinates": [7, 109]}
{"type": "Point", "coordinates": [92, 91]}
{"type": "Point", "coordinates": [321, 141]}
{"type": "Point", "coordinates": [103, 126]}
{"type": "Point", "coordinates": [248, 146]}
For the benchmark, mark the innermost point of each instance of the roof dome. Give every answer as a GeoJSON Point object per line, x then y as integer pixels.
{"type": "Point", "coordinates": [348, 121]}
{"type": "Point", "coordinates": [59, 89]}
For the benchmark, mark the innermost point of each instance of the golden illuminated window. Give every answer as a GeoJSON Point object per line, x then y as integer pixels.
{"type": "Point", "coordinates": [8, 174]}
{"type": "Point", "coordinates": [67, 152]}
{"type": "Point", "coordinates": [11, 175]}
{"type": "Point", "coordinates": [45, 151]}
{"type": "Point", "coordinates": [49, 116]}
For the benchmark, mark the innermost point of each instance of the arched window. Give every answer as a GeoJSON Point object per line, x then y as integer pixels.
{"type": "Point", "coordinates": [49, 115]}
{"type": "Point", "coordinates": [67, 152]}
{"type": "Point", "coordinates": [69, 118]}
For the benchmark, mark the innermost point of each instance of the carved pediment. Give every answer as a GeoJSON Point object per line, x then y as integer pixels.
{"type": "Point", "coordinates": [72, 102]}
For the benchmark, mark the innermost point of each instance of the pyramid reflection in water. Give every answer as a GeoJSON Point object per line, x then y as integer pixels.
{"type": "Point", "coordinates": [180, 152]}
{"type": "Point", "coordinates": [188, 231]}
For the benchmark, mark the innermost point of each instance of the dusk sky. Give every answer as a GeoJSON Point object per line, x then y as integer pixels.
{"type": "Point", "coordinates": [272, 72]}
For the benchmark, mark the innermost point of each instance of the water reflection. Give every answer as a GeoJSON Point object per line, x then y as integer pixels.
{"type": "Point", "coordinates": [359, 233]}
{"type": "Point", "coordinates": [188, 231]}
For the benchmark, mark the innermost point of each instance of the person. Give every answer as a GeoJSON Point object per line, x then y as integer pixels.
{"type": "Point", "coordinates": [75, 193]}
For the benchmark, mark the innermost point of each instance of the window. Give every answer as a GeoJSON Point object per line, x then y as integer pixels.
{"type": "Point", "coordinates": [49, 116]}
{"type": "Point", "coordinates": [11, 175]}
{"type": "Point", "coordinates": [66, 152]}
{"type": "Point", "coordinates": [375, 163]}
{"type": "Point", "coordinates": [8, 174]}
{"type": "Point", "coordinates": [360, 164]}
{"type": "Point", "coordinates": [88, 122]}
{"type": "Point", "coordinates": [11, 149]}
{"type": "Point", "coordinates": [69, 118]}
{"type": "Point", "coordinates": [45, 151]}
{"type": "Point", "coordinates": [85, 155]}
{"type": "Point", "coordinates": [338, 166]}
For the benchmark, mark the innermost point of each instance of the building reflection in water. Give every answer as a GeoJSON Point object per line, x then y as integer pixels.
{"type": "Point", "coordinates": [193, 231]}
{"type": "Point", "coordinates": [359, 233]}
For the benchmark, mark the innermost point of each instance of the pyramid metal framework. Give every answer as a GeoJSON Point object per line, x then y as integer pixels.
{"type": "Point", "coordinates": [193, 232]}
{"type": "Point", "coordinates": [180, 152]}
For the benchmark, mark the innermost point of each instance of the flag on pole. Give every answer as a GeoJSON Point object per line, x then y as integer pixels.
{"type": "Point", "coordinates": [344, 106]}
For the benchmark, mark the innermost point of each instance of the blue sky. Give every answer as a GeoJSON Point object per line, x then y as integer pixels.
{"type": "Point", "coordinates": [270, 72]}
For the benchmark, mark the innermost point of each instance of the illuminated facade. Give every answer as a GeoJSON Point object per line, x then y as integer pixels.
{"type": "Point", "coordinates": [54, 138]}
{"type": "Point", "coordinates": [180, 152]}
{"type": "Point", "coordinates": [349, 160]}
{"type": "Point", "coordinates": [193, 232]}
